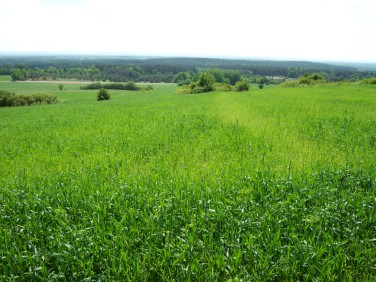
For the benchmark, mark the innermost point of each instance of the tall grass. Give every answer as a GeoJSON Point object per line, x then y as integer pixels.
{"type": "Point", "coordinates": [272, 184]}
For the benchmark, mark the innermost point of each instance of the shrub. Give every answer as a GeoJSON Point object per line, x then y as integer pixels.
{"type": "Point", "coordinates": [310, 79]}
{"type": "Point", "coordinates": [92, 86]}
{"type": "Point", "coordinates": [304, 80]}
{"type": "Point", "coordinates": [204, 84]}
{"type": "Point", "coordinates": [185, 89]}
{"type": "Point", "coordinates": [242, 85]}
{"type": "Point", "coordinates": [368, 81]}
{"type": "Point", "coordinates": [223, 87]}
{"type": "Point", "coordinates": [197, 89]}
{"type": "Point", "coordinates": [8, 99]}
{"type": "Point", "coordinates": [103, 95]}
{"type": "Point", "coordinates": [130, 85]}
{"type": "Point", "coordinates": [261, 86]}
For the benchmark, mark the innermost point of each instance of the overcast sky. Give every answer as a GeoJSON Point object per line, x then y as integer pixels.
{"type": "Point", "coordinates": [320, 30]}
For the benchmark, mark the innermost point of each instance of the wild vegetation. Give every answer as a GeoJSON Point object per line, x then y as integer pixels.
{"type": "Point", "coordinates": [130, 85]}
{"type": "Point", "coordinates": [10, 99]}
{"type": "Point", "coordinates": [304, 80]}
{"type": "Point", "coordinates": [123, 69]}
{"type": "Point", "coordinates": [209, 81]}
{"type": "Point", "coordinates": [103, 95]}
{"type": "Point", "coordinates": [369, 81]}
{"type": "Point", "coordinates": [272, 184]}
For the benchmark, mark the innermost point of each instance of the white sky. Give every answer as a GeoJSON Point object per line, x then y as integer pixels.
{"type": "Point", "coordinates": [334, 30]}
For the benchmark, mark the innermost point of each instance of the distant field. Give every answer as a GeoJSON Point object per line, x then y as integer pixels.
{"type": "Point", "coordinates": [5, 78]}
{"type": "Point", "coordinates": [272, 184]}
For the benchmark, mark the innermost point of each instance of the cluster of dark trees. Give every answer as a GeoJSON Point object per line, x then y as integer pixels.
{"type": "Point", "coordinates": [122, 69]}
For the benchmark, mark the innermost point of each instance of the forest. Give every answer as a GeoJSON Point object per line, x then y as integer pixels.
{"type": "Point", "coordinates": [149, 69]}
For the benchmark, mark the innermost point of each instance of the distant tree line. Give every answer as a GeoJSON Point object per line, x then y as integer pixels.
{"type": "Point", "coordinates": [122, 69]}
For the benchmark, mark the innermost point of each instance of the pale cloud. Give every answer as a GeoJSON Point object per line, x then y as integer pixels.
{"type": "Point", "coordinates": [292, 29]}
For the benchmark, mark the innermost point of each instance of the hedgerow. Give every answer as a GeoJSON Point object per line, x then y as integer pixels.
{"type": "Point", "coordinates": [10, 99]}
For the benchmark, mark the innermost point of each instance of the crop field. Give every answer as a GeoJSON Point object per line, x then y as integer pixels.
{"type": "Point", "coordinates": [273, 184]}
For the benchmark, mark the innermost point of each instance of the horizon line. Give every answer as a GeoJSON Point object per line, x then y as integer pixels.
{"type": "Point", "coordinates": [188, 56]}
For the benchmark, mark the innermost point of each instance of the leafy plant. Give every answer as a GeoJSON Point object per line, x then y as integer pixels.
{"type": "Point", "coordinates": [205, 82]}
{"type": "Point", "coordinates": [6, 98]}
{"type": "Point", "coordinates": [103, 95]}
{"type": "Point", "coordinates": [9, 99]}
{"type": "Point", "coordinates": [368, 81]}
{"type": "Point", "coordinates": [223, 87]}
{"type": "Point", "coordinates": [242, 85]}
{"type": "Point", "coordinates": [130, 85]}
{"type": "Point", "coordinates": [305, 80]}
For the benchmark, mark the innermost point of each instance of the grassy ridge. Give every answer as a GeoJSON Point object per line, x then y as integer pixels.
{"type": "Point", "coordinates": [271, 184]}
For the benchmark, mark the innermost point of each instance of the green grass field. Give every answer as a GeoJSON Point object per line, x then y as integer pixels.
{"type": "Point", "coordinates": [272, 184]}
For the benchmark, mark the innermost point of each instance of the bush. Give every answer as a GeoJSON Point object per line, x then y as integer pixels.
{"type": "Point", "coordinates": [261, 86]}
{"type": "Point", "coordinates": [242, 85]}
{"type": "Point", "coordinates": [311, 79]}
{"type": "Point", "coordinates": [130, 85]}
{"type": "Point", "coordinates": [205, 82]}
{"type": "Point", "coordinates": [223, 87]}
{"type": "Point", "coordinates": [103, 95]}
{"type": "Point", "coordinates": [305, 80]}
{"type": "Point", "coordinates": [197, 89]}
{"type": "Point", "coordinates": [92, 86]}
{"type": "Point", "coordinates": [368, 81]}
{"type": "Point", "coordinates": [8, 99]}
{"type": "Point", "coordinates": [185, 89]}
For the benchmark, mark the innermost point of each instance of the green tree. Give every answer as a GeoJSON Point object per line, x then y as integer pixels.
{"type": "Point", "coordinates": [61, 87]}
{"type": "Point", "coordinates": [206, 81]}
{"type": "Point", "coordinates": [218, 75]}
{"type": "Point", "coordinates": [19, 74]}
{"type": "Point", "coordinates": [180, 77]}
{"type": "Point", "coordinates": [231, 76]}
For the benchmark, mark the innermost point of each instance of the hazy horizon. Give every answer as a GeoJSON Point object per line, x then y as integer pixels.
{"type": "Point", "coordinates": [292, 30]}
{"type": "Point", "coordinates": [151, 56]}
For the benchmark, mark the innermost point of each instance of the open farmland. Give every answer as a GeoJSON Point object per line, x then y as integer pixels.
{"type": "Point", "coordinates": [271, 184]}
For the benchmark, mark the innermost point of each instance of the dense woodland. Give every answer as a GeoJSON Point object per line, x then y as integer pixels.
{"type": "Point", "coordinates": [122, 69]}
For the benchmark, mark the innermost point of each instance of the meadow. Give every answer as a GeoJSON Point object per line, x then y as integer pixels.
{"type": "Point", "coordinates": [275, 184]}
